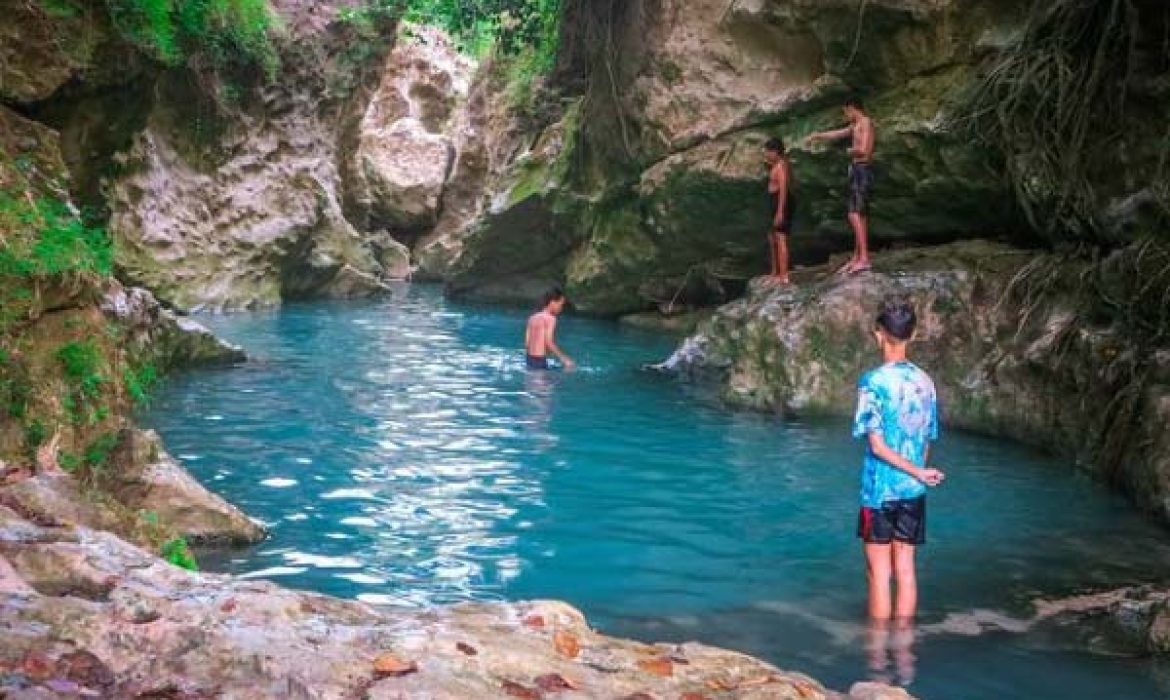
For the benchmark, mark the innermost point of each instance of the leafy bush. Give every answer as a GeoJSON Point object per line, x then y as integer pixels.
{"type": "Point", "coordinates": [139, 381]}
{"type": "Point", "coordinates": [81, 362]}
{"type": "Point", "coordinates": [178, 553]}
{"type": "Point", "coordinates": [62, 242]}
{"type": "Point", "coordinates": [511, 27]}
{"type": "Point", "coordinates": [229, 32]}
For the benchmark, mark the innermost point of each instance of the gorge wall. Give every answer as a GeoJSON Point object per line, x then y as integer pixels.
{"type": "Point", "coordinates": [648, 187]}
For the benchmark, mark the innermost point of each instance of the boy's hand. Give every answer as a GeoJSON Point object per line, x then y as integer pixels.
{"type": "Point", "coordinates": [931, 477]}
{"type": "Point", "coordinates": [570, 365]}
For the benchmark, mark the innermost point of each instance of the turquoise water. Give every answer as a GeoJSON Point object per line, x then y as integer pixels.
{"type": "Point", "coordinates": [401, 455]}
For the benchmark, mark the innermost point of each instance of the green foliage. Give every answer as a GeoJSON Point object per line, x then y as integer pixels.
{"type": "Point", "coordinates": [139, 381]}
{"type": "Point", "coordinates": [68, 461]}
{"type": "Point", "coordinates": [15, 389]}
{"type": "Point", "coordinates": [35, 434]}
{"type": "Point", "coordinates": [178, 553]}
{"type": "Point", "coordinates": [62, 243]}
{"type": "Point", "coordinates": [512, 27]}
{"type": "Point", "coordinates": [81, 362]}
{"type": "Point", "coordinates": [97, 453]}
{"type": "Point", "coordinates": [232, 33]}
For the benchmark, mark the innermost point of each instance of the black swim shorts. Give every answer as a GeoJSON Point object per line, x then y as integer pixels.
{"type": "Point", "coordinates": [904, 521]}
{"type": "Point", "coordinates": [534, 362]}
{"type": "Point", "coordinates": [860, 187]}
{"type": "Point", "coordinates": [785, 227]}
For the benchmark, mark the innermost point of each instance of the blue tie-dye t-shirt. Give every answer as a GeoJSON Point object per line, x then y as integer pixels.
{"type": "Point", "coordinates": [897, 400]}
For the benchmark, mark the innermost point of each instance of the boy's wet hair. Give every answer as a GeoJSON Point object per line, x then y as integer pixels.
{"type": "Point", "coordinates": [854, 102]}
{"type": "Point", "coordinates": [897, 318]}
{"type": "Point", "coordinates": [775, 145]}
{"type": "Point", "coordinates": [554, 294]}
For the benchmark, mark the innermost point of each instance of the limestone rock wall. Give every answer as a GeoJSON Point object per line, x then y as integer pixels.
{"type": "Point", "coordinates": [227, 201]}
{"type": "Point", "coordinates": [1038, 369]}
{"type": "Point", "coordinates": [74, 349]}
{"type": "Point", "coordinates": [683, 216]}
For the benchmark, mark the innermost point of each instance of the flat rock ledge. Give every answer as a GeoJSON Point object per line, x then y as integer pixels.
{"type": "Point", "coordinates": [85, 614]}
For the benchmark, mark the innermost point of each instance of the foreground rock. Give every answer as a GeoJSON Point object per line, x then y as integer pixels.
{"type": "Point", "coordinates": [137, 627]}
{"type": "Point", "coordinates": [1012, 357]}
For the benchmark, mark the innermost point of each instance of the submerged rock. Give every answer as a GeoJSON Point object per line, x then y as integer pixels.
{"type": "Point", "coordinates": [138, 627]}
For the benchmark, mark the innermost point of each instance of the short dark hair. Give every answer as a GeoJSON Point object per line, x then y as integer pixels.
{"type": "Point", "coordinates": [896, 317]}
{"type": "Point", "coordinates": [551, 295]}
{"type": "Point", "coordinates": [854, 102]}
{"type": "Point", "coordinates": [775, 145]}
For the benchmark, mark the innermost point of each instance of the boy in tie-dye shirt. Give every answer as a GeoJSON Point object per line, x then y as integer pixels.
{"type": "Point", "coordinates": [897, 415]}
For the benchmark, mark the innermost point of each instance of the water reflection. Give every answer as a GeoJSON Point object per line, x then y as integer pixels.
{"type": "Point", "coordinates": [889, 649]}
{"type": "Point", "coordinates": [401, 454]}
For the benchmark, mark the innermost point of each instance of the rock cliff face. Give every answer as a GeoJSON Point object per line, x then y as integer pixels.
{"type": "Point", "coordinates": [78, 350]}
{"type": "Point", "coordinates": [1032, 365]}
{"type": "Point", "coordinates": [227, 201]}
{"type": "Point", "coordinates": [683, 216]}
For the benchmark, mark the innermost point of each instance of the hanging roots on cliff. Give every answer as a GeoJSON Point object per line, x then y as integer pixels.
{"type": "Point", "coordinates": [596, 61]}
{"type": "Point", "coordinates": [1053, 107]}
{"type": "Point", "coordinates": [1126, 295]}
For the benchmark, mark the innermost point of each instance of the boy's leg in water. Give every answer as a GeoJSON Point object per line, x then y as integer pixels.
{"type": "Point", "coordinates": [878, 568]}
{"type": "Point", "coordinates": [877, 645]}
{"type": "Point", "coordinates": [907, 581]}
{"type": "Point", "coordinates": [902, 649]}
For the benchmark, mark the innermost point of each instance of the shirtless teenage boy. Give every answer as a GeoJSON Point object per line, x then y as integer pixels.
{"type": "Point", "coordinates": [861, 131]}
{"type": "Point", "coordinates": [780, 206]}
{"type": "Point", "coordinates": [539, 336]}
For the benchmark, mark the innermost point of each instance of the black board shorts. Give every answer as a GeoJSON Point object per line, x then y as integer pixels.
{"type": "Point", "coordinates": [785, 227]}
{"type": "Point", "coordinates": [904, 521]}
{"type": "Point", "coordinates": [534, 362]}
{"type": "Point", "coordinates": [860, 187]}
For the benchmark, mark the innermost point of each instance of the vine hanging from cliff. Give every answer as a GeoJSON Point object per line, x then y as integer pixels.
{"type": "Point", "coordinates": [1053, 106]}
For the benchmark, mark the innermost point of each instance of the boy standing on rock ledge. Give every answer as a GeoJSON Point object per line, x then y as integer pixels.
{"type": "Point", "coordinates": [861, 134]}
{"type": "Point", "coordinates": [780, 206]}
{"type": "Point", "coordinates": [897, 414]}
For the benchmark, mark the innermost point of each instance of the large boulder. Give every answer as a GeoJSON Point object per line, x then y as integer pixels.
{"type": "Point", "coordinates": [406, 147]}
{"type": "Point", "coordinates": [1011, 357]}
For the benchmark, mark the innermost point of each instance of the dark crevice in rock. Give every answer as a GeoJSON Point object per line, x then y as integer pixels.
{"type": "Point", "coordinates": [95, 123]}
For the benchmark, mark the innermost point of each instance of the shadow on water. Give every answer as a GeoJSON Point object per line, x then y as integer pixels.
{"type": "Point", "coordinates": [402, 455]}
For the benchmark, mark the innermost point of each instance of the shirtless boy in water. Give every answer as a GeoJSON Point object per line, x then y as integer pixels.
{"type": "Point", "coordinates": [861, 131]}
{"type": "Point", "coordinates": [539, 336]}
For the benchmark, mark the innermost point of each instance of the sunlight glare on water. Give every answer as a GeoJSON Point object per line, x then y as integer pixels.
{"type": "Point", "coordinates": [401, 455]}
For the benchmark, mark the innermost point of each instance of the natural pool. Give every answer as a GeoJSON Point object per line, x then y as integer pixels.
{"type": "Point", "coordinates": [401, 455]}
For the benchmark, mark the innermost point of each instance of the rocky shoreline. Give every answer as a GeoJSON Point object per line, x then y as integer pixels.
{"type": "Point", "coordinates": [88, 615]}
{"type": "Point", "coordinates": [1035, 366]}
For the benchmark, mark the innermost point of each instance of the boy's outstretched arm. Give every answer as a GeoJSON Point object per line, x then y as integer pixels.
{"type": "Point", "coordinates": [831, 135]}
{"type": "Point", "coordinates": [927, 475]}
